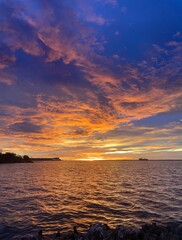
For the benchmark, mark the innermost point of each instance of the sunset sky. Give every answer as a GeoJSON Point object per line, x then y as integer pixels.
{"type": "Point", "coordinates": [91, 79]}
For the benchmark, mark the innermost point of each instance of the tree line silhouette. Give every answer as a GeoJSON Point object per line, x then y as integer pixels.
{"type": "Point", "coordinates": [9, 157]}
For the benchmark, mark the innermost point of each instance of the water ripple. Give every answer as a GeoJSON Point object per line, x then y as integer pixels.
{"type": "Point", "coordinates": [59, 195]}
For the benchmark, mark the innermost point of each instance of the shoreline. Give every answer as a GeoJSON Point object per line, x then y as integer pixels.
{"type": "Point", "coordinates": [98, 231]}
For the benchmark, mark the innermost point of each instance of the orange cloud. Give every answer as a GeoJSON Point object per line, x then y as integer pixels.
{"type": "Point", "coordinates": [82, 118]}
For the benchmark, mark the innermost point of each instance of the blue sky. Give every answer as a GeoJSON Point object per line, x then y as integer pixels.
{"type": "Point", "coordinates": [91, 79]}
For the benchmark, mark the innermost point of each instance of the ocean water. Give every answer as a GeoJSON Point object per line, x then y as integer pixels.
{"type": "Point", "coordinates": [59, 195]}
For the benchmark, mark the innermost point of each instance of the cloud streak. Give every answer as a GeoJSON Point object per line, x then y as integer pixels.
{"type": "Point", "coordinates": [61, 87]}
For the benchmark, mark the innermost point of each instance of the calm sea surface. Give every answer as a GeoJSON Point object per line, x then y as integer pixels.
{"type": "Point", "coordinates": [59, 195]}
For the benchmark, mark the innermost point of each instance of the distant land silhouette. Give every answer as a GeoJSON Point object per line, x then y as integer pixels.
{"type": "Point", "coordinates": [143, 159]}
{"type": "Point", "coordinates": [46, 159]}
{"type": "Point", "coordinates": [9, 157]}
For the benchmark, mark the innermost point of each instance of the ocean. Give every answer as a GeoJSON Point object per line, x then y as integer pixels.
{"type": "Point", "coordinates": [59, 195]}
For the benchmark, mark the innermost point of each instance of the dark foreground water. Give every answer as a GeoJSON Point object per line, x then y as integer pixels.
{"type": "Point", "coordinates": [59, 195]}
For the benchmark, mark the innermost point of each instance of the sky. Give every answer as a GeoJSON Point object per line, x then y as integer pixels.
{"type": "Point", "coordinates": [91, 79]}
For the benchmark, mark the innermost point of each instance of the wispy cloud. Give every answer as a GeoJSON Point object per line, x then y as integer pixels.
{"type": "Point", "coordinates": [63, 88]}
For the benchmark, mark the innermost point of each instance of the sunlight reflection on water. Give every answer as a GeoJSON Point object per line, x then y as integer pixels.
{"type": "Point", "coordinates": [59, 195]}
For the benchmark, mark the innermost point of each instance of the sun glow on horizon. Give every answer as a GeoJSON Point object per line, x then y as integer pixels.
{"type": "Point", "coordinates": [73, 83]}
{"type": "Point", "coordinates": [91, 159]}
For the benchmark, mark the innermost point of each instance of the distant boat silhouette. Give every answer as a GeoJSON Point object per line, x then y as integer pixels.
{"type": "Point", "coordinates": [143, 159]}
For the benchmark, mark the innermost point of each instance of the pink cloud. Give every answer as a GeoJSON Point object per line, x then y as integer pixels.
{"type": "Point", "coordinates": [116, 92]}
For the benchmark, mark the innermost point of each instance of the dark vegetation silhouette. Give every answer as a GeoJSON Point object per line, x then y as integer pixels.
{"type": "Point", "coordinates": [9, 157]}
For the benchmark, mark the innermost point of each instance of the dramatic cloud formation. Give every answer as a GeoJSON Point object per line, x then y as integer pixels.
{"type": "Point", "coordinates": [91, 79]}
